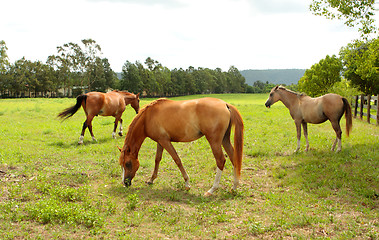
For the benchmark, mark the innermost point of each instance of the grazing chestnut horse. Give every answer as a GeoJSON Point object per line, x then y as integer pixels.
{"type": "Point", "coordinates": [166, 121]}
{"type": "Point", "coordinates": [304, 109]}
{"type": "Point", "coordinates": [103, 104]}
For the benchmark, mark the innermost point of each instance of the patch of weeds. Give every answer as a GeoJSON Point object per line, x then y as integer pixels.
{"type": "Point", "coordinates": [47, 132]}
{"type": "Point", "coordinates": [133, 201]}
{"type": "Point", "coordinates": [55, 211]}
{"type": "Point", "coordinates": [133, 219]}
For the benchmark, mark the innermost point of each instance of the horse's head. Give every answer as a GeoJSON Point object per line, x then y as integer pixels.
{"type": "Point", "coordinates": [273, 97]}
{"type": "Point", "coordinates": [129, 166]}
{"type": "Point", "coordinates": [135, 103]}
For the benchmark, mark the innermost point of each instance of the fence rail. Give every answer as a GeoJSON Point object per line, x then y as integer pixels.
{"type": "Point", "coordinates": [370, 103]}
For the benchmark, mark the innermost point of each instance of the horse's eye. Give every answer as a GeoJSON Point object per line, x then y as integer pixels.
{"type": "Point", "coordinates": [271, 94]}
{"type": "Point", "coordinates": [128, 165]}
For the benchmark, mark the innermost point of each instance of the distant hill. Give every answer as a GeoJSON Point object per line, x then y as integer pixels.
{"type": "Point", "coordinates": [275, 76]}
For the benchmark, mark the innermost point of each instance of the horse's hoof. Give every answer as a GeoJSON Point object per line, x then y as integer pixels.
{"type": "Point", "coordinates": [208, 194]}
{"type": "Point", "coordinates": [149, 183]}
{"type": "Point", "coordinates": [120, 134]}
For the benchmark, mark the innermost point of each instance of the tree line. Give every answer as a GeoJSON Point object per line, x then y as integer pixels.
{"type": "Point", "coordinates": [355, 71]}
{"type": "Point", "coordinates": [78, 68]}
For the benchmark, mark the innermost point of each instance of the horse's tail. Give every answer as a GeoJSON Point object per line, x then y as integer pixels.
{"type": "Point", "coordinates": [68, 112]}
{"type": "Point", "coordinates": [236, 120]}
{"type": "Point", "coordinates": [348, 116]}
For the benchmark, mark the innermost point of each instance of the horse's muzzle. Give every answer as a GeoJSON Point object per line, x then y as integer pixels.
{"type": "Point", "coordinates": [128, 182]}
{"type": "Point", "coordinates": [268, 105]}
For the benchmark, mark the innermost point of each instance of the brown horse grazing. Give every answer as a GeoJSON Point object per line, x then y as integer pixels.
{"type": "Point", "coordinates": [304, 109]}
{"type": "Point", "coordinates": [166, 121]}
{"type": "Point", "coordinates": [103, 104]}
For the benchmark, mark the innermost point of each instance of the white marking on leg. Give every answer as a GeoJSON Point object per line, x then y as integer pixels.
{"type": "Point", "coordinates": [120, 128]}
{"type": "Point", "coordinates": [236, 180]}
{"type": "Point", "coordinates": [298, 145]}
{"type": "Point", "coordinates": [113, 134]}
{"type": "Point", "coordinates": [216, 183]}
{"type": "Point", "coordinates": [94, 139]}
{"type": "Point", "coordinates": [81, 139]}
{"type": "Point", "coordinates": [339, 145]}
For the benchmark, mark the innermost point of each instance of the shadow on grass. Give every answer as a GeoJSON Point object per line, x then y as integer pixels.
{"type": "Point", "coordinates": [66, 145]}
{"type": "Point", "coordinates": [351, 173]}
{"type": "Point", "coordinates": [171, 194]}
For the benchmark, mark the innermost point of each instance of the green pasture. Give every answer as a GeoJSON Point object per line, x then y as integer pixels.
{"type": "Point", "coordinates": [52, 188]}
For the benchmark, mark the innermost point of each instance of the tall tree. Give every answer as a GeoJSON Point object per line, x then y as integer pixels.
{"type": "Point", "coordinates": [361, 61]}
{"type": "Point", "coordinates": [321, 76]}
{"type": "Point", "coordinates": [355, 13]}
{"type": "Point", "coordinates": [4, 66]}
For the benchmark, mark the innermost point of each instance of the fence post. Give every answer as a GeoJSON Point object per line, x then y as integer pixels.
{"type": "Point", "coordinates": [361, 107]}
{"type": "Point", "coordinates": [356, 106]}
{"type": "Point", "coordinates": [368, 108]}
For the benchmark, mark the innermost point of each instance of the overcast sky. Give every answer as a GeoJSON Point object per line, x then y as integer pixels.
{"type": "Point", "coordinates": [248, 34]}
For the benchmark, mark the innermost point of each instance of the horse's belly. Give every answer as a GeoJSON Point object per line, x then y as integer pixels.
{"type": "Point", "coordinates": [315, 118]}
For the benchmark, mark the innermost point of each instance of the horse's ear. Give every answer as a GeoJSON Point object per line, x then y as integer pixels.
{"type": "Point", "coordinates": [276, 87]}
{"type": "Point", "coordinates": [119, 148]}
{"type": "Point", "coordinates": [137, 95]}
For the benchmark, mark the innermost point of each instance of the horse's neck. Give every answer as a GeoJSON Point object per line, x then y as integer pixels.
{"type": "Point", "coordinates": [290, 100]}
{"type": "Point", "coordinates": [136, 136]}
{"type": "Point", "coordinates": [128, 99]}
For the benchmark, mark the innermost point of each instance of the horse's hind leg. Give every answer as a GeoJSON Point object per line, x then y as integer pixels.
{"type": "Point", "coordinates": [158, 158]}
{"type": "Point", "coordinates": [220, 160]}
{"type": "Point", "coordinates": [83, 131]}
{"type": "Point", "coordinates": [337, 128]}
{"type": "Point", "coordinates": [230, 151]}
{"type": "Point", "coordinates": [89, 124]}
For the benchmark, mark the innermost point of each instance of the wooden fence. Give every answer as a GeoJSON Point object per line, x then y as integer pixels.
{"type": "Point", "coordinates": [370, 103]}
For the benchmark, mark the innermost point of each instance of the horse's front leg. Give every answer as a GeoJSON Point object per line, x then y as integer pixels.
{"type": "Point", "coordinates": [305, 128]}
{"type": "Point", "coordinates": [115, 127]}
{"type": "Point", "coordinates": [120, 132]}
{"type": "Point", "coordinates": [158, 158]}
{"type": "Point", "coordinates": [298, 131]}
{"type": "Point", "coordinates": [166, 144]}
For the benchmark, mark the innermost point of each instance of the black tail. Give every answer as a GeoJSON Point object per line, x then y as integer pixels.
{"type": "Point", "coordinates": [68, 112]}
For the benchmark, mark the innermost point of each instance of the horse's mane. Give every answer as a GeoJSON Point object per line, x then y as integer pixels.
{"type": "Point", "coordinates": [140, 115]}
{"type": "Point", "coordinates": [290, 91]}
{"type": "Point", "coordinates": [123, 91]}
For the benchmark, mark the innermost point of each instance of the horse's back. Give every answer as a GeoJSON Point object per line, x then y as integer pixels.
{"type": "Point", "coordinates": [187, 120]}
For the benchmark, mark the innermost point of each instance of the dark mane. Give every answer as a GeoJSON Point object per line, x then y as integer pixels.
{"type": "Point", "coordinates": [293, 92]}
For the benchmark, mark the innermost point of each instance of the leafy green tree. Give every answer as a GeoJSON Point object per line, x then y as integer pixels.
{"type": "Point", "coordinates": [131, 78]}
{"type": "Point", "coordinates": [236, 81]}
{"type": "Point", "coordinates": [321, 76]}
{"type": "Point", "coordinates": [355, 13]}
{"type": "Point", "coordinates": [361, 61]}
{"type": "Point", "coordinates": [4, 67]}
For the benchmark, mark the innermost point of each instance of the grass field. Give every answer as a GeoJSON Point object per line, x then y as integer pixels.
{"type": "Point", "coordinates": [52, 188]}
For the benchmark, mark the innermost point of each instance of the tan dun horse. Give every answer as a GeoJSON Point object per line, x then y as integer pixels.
{"type": "Point", "coordinates": [166, 121]}
{"type": "Point", "coordinates": [103, 104]}
{"type": "Point", "coordinates": [304, 109]}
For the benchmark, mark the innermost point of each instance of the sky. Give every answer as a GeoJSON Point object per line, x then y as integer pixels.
{"type": "Point", "coordinates": [247, 34]}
